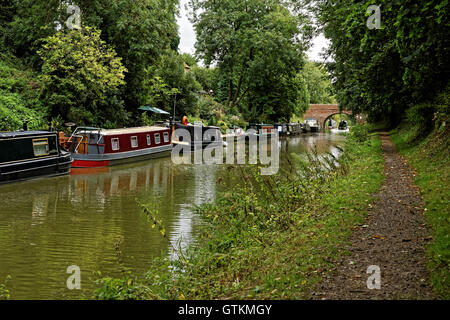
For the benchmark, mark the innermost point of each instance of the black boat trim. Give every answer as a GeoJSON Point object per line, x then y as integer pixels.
{"type": "Point", "coordinates": [32, 159]}
{"type": "Point", "coordinates": [25, 137]}
{"type": "Point", "coordinates": [36, 168]}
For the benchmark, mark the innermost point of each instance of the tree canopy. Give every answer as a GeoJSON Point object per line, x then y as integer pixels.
{"type": "Point", "coordinates": [81, 77]}
{"type": "Point", "coordinates": [384, 71]}
{"type": "Point", "coordinates": [258, 51]}
{"type": "Point", "coordinates": [249, 62]}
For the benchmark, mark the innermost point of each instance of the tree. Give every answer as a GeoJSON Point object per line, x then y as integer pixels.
{"type": "Point", "coordinates": [81, 76]}
{"type": "Point", "coordinates": [207, 77]}
{"type": "Point", "coordinates": [253, 44]}
{"type": "Point", "coordinates": [7, 12]}
{"type": "Point", "coordinates": [382, 72]}
{"type": "Point", "coordinates": [159, 95]}
{"type": "Point", "coordinates": [141, 31]}
{"type": "Point", "coordinates": [318, 82]}
{"type": "Point", "coordinates": [189, 59]}
{"type": "Point", "coordinates": [171, 70]}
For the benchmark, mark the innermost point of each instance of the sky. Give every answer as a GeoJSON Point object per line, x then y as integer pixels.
{"type": "Point", "coordinates": [187, 35]}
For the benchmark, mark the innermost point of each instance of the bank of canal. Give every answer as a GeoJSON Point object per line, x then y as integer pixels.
{"type": "Point", "coordinates": [272, 237]}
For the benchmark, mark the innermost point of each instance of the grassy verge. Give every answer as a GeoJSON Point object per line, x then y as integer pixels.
{"type": "Point", "coordinates": [430, 157]}
{"type": "Point", "coordinates": [271, 238]}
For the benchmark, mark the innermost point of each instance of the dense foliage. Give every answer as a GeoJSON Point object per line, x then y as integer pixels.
{"type": "Point", "coordinates": [81, 77]}
{"type": "Point", "coordinates": [249, 64]}
{"type": "Point", "coordinates": [319, 85]}
{"type": "Point", "coordinates": [257, 48]}
{"type": "Point", "coordinates": [384, 71]}
{"type": "Point", "coordinates": [19, 96]}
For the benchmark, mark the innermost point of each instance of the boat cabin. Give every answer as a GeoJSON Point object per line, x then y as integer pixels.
{"type": "Point", "coordinates": [282, 128]}
{"type": "Point", "coordinates": [262, 128]}
{"type": "Point", "coordinates": [312, 125]}
{"type": "Point", "coordinates": [294, 128]}
{"type": "Point", "coordinates": [31, 154]}
{"type": "Point", "coordinates": [200, 136]}
{"type": "Point", "coordinates": [96, 147]}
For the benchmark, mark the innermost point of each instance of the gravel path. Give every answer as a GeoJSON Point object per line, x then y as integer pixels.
{"type": "Point", "coordinates": [393, 238]}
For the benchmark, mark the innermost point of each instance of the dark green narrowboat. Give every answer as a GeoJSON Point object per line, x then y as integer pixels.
{"type": "Point", "coordinates": [295, 128]}
{"type": "Point", "coordinates": [31, 154]}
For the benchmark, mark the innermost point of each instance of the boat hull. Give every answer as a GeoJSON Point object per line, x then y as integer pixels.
{"type": "Point", "coordinates": [105, 160]}
{"type": "Point", "coordinates": [36, 168]}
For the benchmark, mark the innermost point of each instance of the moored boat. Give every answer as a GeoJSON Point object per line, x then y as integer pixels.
{"type": "Point", "coordinates": [31, 154]}
{"type": "Point", "coordinates": [263, 129]}
{"type": "Point", "coordinates": [282, 128]}
{"type": "Point", "coordinates": [294, 128]}
{"type": "Point", "coordinates": [96, 147]}
{"type": "Point", "coordinates": [200, 136]}
{"type": "Point", "coordinates": [312, 125]}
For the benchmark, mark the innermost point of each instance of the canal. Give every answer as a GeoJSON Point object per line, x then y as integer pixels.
{"type": "Point", "coordinates": [47, 225]}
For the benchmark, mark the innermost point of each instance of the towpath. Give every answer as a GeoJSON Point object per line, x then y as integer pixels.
{"type": "Point", "coordinates": [392, 238]}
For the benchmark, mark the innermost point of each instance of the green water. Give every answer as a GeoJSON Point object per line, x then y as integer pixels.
{"type": "Point", "coordinates": [47, 225]}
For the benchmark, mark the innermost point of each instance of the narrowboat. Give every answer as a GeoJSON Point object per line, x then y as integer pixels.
{"type": "Point", "coordinates": [282, 128]}
{"type": "Point", "coordinates": [31, 154]}
{"type": "Point", "coordinates": [262, 129]}
{"type": "Point", "coordinates": [342, 125]}
{"type": "Point", "coordinates": [312, 125]}
{"type": "Point", "coordinates": [199, 136]}
{"type": "Point", "coordinates": [294, 128]}
{"type": "Point", "coordinates": [96, 147]}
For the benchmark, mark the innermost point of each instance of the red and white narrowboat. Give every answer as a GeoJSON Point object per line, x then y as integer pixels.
{"type": "Point", "coordinates": [96, 147]}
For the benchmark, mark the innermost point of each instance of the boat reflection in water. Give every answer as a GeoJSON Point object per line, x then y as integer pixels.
{"type": "Point", "coordinates": [48, 225]}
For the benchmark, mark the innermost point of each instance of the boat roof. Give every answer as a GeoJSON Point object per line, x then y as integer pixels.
{"type": "Point", "coordinates": [260, 124]}
{"type": "Point", "coordinates": [24, 134]}
{"type": "Point", "coordinates": [194, 125]}
{"type": "Point", "coordinates": [111, 132]}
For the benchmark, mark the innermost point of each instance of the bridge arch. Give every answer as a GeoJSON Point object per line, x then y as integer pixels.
{"type": "Point", "coordinates": [324, 124]}
{"type": "Point", "coordinates": [322, 112]}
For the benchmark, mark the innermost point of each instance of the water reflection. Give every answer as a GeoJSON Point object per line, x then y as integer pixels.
{"type": "Point", "coordinates": [47, 225]}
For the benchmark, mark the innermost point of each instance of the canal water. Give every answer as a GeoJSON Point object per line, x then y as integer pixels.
{"type": "Point", "coordinates": [47, 225]}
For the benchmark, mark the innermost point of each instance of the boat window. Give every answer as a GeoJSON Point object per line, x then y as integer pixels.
{"type": "Point", "coordinates": [157, 138]}
{"type": "Point", "coordinates": [148, 140]}
{"type": "Point", "coordinates": [40, 147]}
{"type": "Point", "coordinates": [115, 144]}
{"type": "Point", "coordinates": [166, 137]}
{"type": "Point", "coordinates": [134, 142]}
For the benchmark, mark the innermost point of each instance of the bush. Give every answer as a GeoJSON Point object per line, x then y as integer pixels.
{"type": "Point", "coordinates": [423, 118]}
{"type": "Point", "coordinates": [360, 133]}
{"type": "Point", "coordinates": [146, 120]}
{"type": "Point", "coordinates": [88, 95]}
{"type": "Point", "coordinates": [19, 96]}
{"type": "Point", "coordinates": [222, 125]}
{"type": "Point", "coordinates": [205, 107]}
{"type": "Point", "coordinates": [120, 289]}
{"type": "Point", "coordinates": [13, 113]}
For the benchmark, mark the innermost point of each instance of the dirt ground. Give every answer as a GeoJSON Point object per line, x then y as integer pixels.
{"type": "Point", "coordinates": [393, 238]}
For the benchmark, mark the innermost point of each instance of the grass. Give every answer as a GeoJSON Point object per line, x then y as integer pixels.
{"type": "Point", "coordinates": [429, 155]}
{"type": "Point", "coordinates": [272, 238]}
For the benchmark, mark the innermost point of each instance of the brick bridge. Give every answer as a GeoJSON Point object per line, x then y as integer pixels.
{"type": "Point", "coordinates": [321, 112]}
